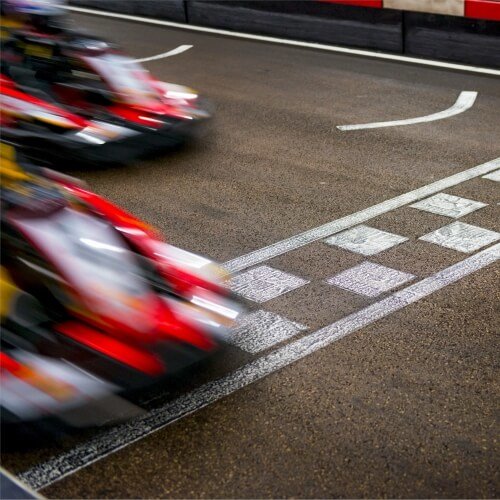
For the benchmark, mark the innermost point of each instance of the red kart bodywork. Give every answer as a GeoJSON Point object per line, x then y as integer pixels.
{"type": "Point", "coordinates": [17, 104]}
{"type": "Point", "coordinates": [161, 332]}
{"type": "Point", "coordinates": [50, 133]}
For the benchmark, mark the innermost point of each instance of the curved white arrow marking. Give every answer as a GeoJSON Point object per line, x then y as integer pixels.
{"type": "Point", "coordinates": [464, 102]}
{"type": "Point", "coordinates": [178, 50]}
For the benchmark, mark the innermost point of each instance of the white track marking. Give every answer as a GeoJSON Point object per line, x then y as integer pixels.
{"type": "Point", "coordinates": [370, 279]}
{"type": "Point", "coordinates": [261, 330]}
{"type": "Point", "coordinates": [365, 240]}
{"type": "Point", "coordinates": [264, 283]}
{"type": "Point", "coordinates": [448, 205]}
{"type": "Point", "coordinates": [110, 441]}
{"type": "Point", "coordinates": [462, 237]}
{"type": "Point", "coordinates": [12, 485]}
{"type": "Point", "coordinates": [330, 228]}
{"type": "Point", "coordinates": [465, 101]}
{"type": "Point", "coordinates": [293, 43]}
{"type": "Point", "coordinates": [494, 176]}
{"type": "Point", "coordinates": [178, 50]}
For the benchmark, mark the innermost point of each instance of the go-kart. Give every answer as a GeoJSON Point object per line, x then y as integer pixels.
{"type": "Point", "coordinates": [95, 80]}
{"type": "Point", "coordinates": [106, 293]}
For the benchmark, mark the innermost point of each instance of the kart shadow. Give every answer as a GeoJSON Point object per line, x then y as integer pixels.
{"type": "Point", "coordinates": [219, 364]}
{"type": "Point", "coordinates": [79, 167]}
{"type": "Point", "coordinates": [24, 444]}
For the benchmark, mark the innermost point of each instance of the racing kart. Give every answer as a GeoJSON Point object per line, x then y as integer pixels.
{"type": "Point", "coordinates": [102, 290]}
{"type": "Point", "coordinates": [94, 80]}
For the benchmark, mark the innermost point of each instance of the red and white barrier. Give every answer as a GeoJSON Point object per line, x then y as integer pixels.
{"type": "Point", "coordinates": [448, 7]}
{"type": "Point", "coordinates": [483, 9]}
{"type": "Point", "coordinates": [478, 9]}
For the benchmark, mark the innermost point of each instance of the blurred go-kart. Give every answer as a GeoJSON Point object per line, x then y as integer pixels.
{"type": "Point", "coordinates": [93, 80]}
{"type": "Point", "coordinates": [100, 289]}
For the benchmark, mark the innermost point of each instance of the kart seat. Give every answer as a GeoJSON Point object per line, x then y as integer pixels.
{"type": "Point", "coordinates": [28, 82]}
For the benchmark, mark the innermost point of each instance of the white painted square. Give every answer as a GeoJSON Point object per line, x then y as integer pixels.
{"type": "Point", "coordinates": [264, 283]}
{"type": "Point", "coordinates": [260, 330]}
{"type": "Point", "coordinates": [370, 279]}
{"type": "Point", "coordinates": [365, 240]}
{"type": "Point", "coordinates": [493, 176]}
{"type": "Point", "coordinates": [462, 237]}
{"type": "Point", "coordinates": [448, 205]}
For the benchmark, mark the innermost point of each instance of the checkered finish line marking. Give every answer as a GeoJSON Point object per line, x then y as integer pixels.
{"type": "Point", "coordinates": [110, 441]}
{"type": "Point", "coordinates": [262, 330]}
{"type": "Point", "coordinates": [336, 226]}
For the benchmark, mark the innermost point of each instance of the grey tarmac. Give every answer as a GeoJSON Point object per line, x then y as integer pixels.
{"type": "Point", "coordinates": [403, 407]}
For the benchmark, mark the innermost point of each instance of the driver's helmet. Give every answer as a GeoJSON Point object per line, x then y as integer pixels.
{"type": "Point", "coordinates": [32, 7]}
{"type": "Point", "coordinates": [42, 14]}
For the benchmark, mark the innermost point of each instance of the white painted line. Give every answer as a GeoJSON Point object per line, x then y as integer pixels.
{"type": "Point", "coordinates": [178, 50]}
{"type": "Point", "coordinates": [333, 227]}
{"type": "Point", "coordinates": [462, 237]}
{"type": "Point", "coordinates": [370, 279]}
{"type": "Point", "coordinates": [494, 176]}
{"type": "Point", "coordinates": [293, 43]}
{"type": "Point", "coordinates": [11, 487]}
{"type": "Point", "coordinates": [465, 101]}
{"type": "Point", "coordinates": [365, 240]}
{"type": "Point", "coordinates": [261, 330]}
{"type": "Point", "coordinates": [448, 205]}
{"type": "Point", "coordinates": [264, 283]}
{"type": "Point", "coordinates": [112, 440]}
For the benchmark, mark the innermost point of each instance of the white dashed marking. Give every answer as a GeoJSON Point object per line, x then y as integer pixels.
{"type": "Point", "coordinates": [494, 176]}
{"type": "Point", "coordinates": [448, 205]}
{"type": "Point", "coordinates": [264, 283]}
{"type": "Point", "coordinates": [370, 279]}
{"type": "Point", "coordinates": [116, 438]}
{"type": "Point", "coordinates": [462, 237]}
{"type": "Point", "coordinates": [260, 330]}
{"type": "Point", "coordinates": [178, 50]}
{"type": "Point", "coordinates": [365, 240]}
{"type": "Point", "coordinates": [465, 101]}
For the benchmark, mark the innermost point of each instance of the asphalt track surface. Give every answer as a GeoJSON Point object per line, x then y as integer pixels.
{"type": "Point", "coordinates": [405, 403]}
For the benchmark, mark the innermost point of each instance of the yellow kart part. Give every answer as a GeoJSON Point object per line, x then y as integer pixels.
{"type": "Point", "coordinates": [7, 25]}
{"type": "Point", "coordinates": [10, 170]}
{"type": "Point", "coordinates": [38, 51]}
{"type": "Point", "coordinates": [8, 293]}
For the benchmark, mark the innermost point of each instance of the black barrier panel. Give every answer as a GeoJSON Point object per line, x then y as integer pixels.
{"type": "Point", "coordinates": [323, 23]}
{"type": "Point", "coordinates": [316, 8]}
{"type": "Point", "coordinates": [470, 41]}
{"type": "Point", "coordinates": [439, 37]}
{"type": "Point", "coordinates": [163, 9]}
